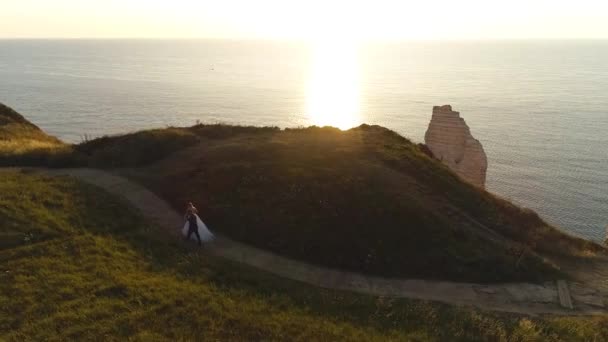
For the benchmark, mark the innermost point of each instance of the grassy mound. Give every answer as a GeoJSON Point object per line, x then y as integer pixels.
{"type": "Point", "coordinates": [13, 126]}
{"type": "Point", "coordinates": [144, 147]}
{"type": "Point", "coordinates": [366, 200]}
{"type": "Point", "coordinates": [23, 143]}
{"type": "Point", "coordinates": [79, 264]}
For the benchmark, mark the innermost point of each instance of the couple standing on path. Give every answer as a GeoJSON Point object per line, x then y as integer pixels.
{"type": "Point", "coordinates": [194, 225]}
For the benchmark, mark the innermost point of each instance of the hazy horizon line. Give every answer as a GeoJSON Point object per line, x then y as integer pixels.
{"type": "Point", "coordinates": [312, 40]}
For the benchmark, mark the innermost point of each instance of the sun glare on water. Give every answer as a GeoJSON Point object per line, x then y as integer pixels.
{"type": "Point", "coordinates": [333, 94]}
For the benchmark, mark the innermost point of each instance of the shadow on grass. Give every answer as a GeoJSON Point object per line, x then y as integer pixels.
{"type": "Point", "coordinates": [98, 269]}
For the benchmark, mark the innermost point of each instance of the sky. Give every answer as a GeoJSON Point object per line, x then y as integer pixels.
{"type": "Point", "coordinates": [308, 19]}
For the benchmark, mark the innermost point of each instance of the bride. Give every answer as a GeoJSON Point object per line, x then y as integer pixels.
{"type": "Point", "coordinates": [195, 226]}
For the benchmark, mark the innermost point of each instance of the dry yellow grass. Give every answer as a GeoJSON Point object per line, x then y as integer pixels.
{"type": "Point", "coordinates": [23, 146]}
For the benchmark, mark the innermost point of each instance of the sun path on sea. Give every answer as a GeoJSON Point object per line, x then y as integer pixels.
{"type": "Point", "coordinates": [559, 297]}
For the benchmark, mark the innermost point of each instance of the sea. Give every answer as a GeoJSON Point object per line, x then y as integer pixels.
{"type": "Point", "coordinates": [540, 108]}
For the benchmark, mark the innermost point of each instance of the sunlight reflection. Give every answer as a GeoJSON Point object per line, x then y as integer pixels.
{"type": "Point", "coordinates": [333, 88]}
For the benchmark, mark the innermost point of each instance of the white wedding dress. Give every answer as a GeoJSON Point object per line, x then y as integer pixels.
{"type": "Point", "coordinates": [203, 231]}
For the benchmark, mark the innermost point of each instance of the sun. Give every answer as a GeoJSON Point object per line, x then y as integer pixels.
{"type": "Point", "coordinates": [333, 90]}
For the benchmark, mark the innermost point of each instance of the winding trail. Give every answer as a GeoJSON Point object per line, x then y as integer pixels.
{"type": "Point", "coordinates": [559, 298]}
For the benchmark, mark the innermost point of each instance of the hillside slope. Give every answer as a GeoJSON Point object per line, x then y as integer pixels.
{"type": "Point", "coordinates": [80, 264]}
{"type": "Point", "coordinates": [86, 266]}
{"type": "Point", "coordinates": [365, 200]}
{"type": "Point", "coordinates": [22, 142]}
{"type": "Point", "coordinates": [13, 126]}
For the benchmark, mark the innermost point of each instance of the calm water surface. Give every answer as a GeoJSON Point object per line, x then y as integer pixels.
{"type": "Point", "coordinates": [539, 108]}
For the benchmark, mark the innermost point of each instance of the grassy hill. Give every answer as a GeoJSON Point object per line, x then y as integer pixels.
{"type": "Point", "coordinates": [366, 200]}
{"type": "Point", "coordinates": [80, 264]}
{"type": "Point", "coordinates": [23, 142]}
{"type": "Point", "coordinates": [13, 126]}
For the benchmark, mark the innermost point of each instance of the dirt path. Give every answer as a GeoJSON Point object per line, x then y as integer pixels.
{"type": "Point", "coordinates": [515, 297]}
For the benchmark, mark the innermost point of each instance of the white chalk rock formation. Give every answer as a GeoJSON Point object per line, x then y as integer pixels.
{"type": "Point", "coordinates": [450, 140]}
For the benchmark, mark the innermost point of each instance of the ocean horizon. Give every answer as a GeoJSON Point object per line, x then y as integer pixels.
{"type": "Point", "coordinates": [538, 107]}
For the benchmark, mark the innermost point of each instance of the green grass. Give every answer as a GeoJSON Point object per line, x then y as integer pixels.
{"type": "Point", "coordinates": [82, 265]}
{"type": "Point", "coordinates": [13, 126]}
{"type": "Point", "coordinates": [145, 147]}
{"type": "Point", "coordinates": [23, 143]}
{"type": "Point", "coordinates": [366, 200]}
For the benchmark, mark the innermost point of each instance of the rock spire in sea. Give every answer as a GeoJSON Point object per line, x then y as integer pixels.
{"type": "Point", "coordinates": [450, 140]}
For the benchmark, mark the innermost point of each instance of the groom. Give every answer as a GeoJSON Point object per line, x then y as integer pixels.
{"type": "Point", "coordinates": [191, 218]}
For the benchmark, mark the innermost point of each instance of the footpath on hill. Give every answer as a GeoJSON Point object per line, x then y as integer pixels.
{"type": "Point", "coordinates": [560, 297]}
